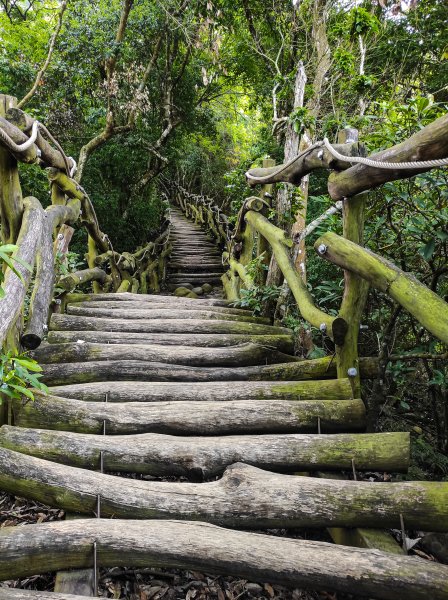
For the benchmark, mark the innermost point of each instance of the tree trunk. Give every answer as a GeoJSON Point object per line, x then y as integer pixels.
{"type": "Point", "coordinates": [232, 356]}
{"type": "Point", "coordinates": [200, 546]}
{"type": "Point", "coordinates": [139, 453]}
{"type": "Point", "coordinates": [283, 343]}
{"type": "Point", "coordinates": [145, 391]}
{"type": "Point", "coordinates": [187, 325]}
{"type": "Point", "coordinates": [194, 418]}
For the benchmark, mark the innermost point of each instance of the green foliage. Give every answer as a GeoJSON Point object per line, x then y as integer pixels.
{"type": "Point", "coordinates": [362, 21]}
{"type": "Point", "coordinates": [256, 297]}
{"type": "Point", "coordinates": [19, 375]}
{"type": "Point", "coordinates": [7, 258]}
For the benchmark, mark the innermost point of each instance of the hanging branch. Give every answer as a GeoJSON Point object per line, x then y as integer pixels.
{"type": "Point", "coordinates": [42, 71]}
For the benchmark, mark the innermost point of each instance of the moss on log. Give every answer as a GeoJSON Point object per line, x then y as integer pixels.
{"type": "Point", "coordinates": [70, 281]}
{"type": "Point", "coordinates": [28, 244]}
{"type": "Point", "coordinates": [128, 297]}
{"type": "Point", "coordinates": [137, 453]}
{"type": "Point", "coordinates": [15, 594]}
{"type": "Point", "coordinates": [245, 496]}
{"type": "Point", "coordinates": [192, 304]}
{"type": "Point", "coordinates": [319, 158]}
{"type": "Point", "coordinates": [283, 343]}
{"type": "Point", "coordinates": [47, 547]}
{"type": "Point", "coordinates": [231, 356]}
{"type": "Point", "coordinates": [429, 143]}
{"type": "Point", "coordinates": [426, 306]}
{"type": "Point", "coordinates": [276, 237]}
{"type": "Point", "coordinates": [162, 313]}
{"type": "Point", "coordinates": [192, 417]}
{"type": "Point", "coordinates": [127, 370]}
{"type": "Point", "coordinates": [187, 325]}
{"type": "Point", "coordinates": [144, 391]}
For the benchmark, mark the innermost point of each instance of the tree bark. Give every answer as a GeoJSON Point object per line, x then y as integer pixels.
{"type": "Point", "coordinates": [233, 356]}
{"type": "Point", "coordinates": [200, 546]}
{"type": "Point", "coordinates": [28, 243]}
{"type": "Point", "coordinates": [157, 299]}
{"type": "Point", "coordinates": [429, 143]}
{"type": "Point", "coordinates": [167, 312]}
{"type": "Point", "coordinates": [70, 281]}
{"type": "Point", "coordinates": [426, 306]}
{"type": "Point", "coordinates": [14, 594]}
{"type": "Point", "coordinates": [138, 453]}
{"type": "Point", "coordinates": [177, 303]}
{"type": "Point", "coordinates": [128, 370]}
{"type": "Point", "coordinates": [194, 418]}
{"type": "Point", "coordinates": [141, 391]}
{"type": "Point", "coordinates": [283, 343]}
{"type": "Point", "coordinates": [187, 325]}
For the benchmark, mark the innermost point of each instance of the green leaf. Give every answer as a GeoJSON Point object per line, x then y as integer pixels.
{"type": "Point", "coordinates": [31, 365]}
{"type": "Point", "coordinates": [23, 390]}
{"type": "Point", "coordinates": [428, 249]}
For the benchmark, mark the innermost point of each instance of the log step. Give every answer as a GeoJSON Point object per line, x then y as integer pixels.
{"type": "Point", "coordinates": [283, 343]}
{"type": "Point", "coordinates": [152, 298]}
{"type": "Point", "coordinates": [157, 391]}
{"type": "Point", "coordinates": [163, 313]}
{"type": "Point", "coordinates": [30, 549]}
{"type": "Point", "coordinates": [189, 304]}
{"type": "Point", "coordinates": [190, 418]}
{"type": "Point", "coordinates": [138, 453]}
{"type": "Point", "coordinates": [245, 496]}
{"type": "Point", "coordinates": [125, 370]}
{"type": "Point", "coordinates": [172, 325]}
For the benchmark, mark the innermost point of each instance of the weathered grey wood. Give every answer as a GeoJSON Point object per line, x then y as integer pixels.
{"type": "Point", "coordinates": [145, 305]}
{"type": "Point", "coordinates": [377, 451]}
{"type": "Point", "coordinates": [82, 323]}
{"type": "Point", "coordinates": [245, 496]}
{"type": "Point", "coordinates": [154, 298]}
{"type": "Point", "coordinates": [156, 391]}
{"type": "Point", "coordinates": [192, 417]}
{"type": "Point", "coordinates": [202, 546]}
{"type": "Point", "coordinates": [126, 370]}
{"type": "Point", "coordinates": [28, 243]}
{"type": "Point", "coordinates": [283, 343]}
{"type": "Point", "coordinates": [167, 313]}
{"type": "Point", "coordinates": [15, 594]}
{"type": "Point", "coordinates": [230, 356]}
{"type": "Point", "coordinates": [70, 281]}
{"type": "Point", "coordinates": [315, 159]}
{"type": "Point", "coordinates": [428, 143]}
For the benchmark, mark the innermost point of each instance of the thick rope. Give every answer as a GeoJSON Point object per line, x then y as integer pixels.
{"type": "Point", "coordinates": [381, 164]}
{"type": "Point", "coordinates": [20, 147]}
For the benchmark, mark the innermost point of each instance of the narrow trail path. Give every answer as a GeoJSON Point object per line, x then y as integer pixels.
{"type": "Point", "coordinates": [195, 259]}
{"type": "Point", "coordinates": [145, 386]}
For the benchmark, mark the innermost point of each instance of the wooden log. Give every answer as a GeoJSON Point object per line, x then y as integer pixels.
{"type": "Point", "coordinates": [137, 453]}
{"type": "Point", "coordinates": [319, 158]}
{"type": "Point", "coordinates": [161, 313]}
{"type": "Point", "coordinates": [28, 243]}
{"type": "Point", "coordinates": [127, 297]}
{"type": "Point", "coordinates": [15, 594]}
{"type": "Point", "coordinates": [335, 327]}
{"type": "Point", "coordinates": [70, 281]}
{"type": "Point", "coordinates": [231, 356]}
{"type": "Point", "coordinates": [187, 325]}
{"type": "Point", "coordinates": [128, 370]}
{"type": "Point", "coordinates": [201, 546]}
{"type": "Point", "coordinates": [245, 496]}
{"type": "Point", "coordinates": [428, 143]}
{"type": "Point", "coordinates": [28, 156]}
{"type": "Point", "coordinates": [134, 305]}
{"type": "Point", "coordinates": [426, 306]}
{"type": "Point", "coordinates": [141, 391]}
{"type": "Point", "coordinates": [50, 157]}
{"type": "Point", "coordinates": [229, 417]}
{"type": "Point", "coordinates": [283, 343]}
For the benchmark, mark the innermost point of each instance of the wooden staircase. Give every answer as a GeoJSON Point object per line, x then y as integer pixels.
{"type": "Point", "coordinates": [160, 386]}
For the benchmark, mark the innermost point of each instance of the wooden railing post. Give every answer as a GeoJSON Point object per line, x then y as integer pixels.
{"type": "Point", "coordinates": [355, 288]}
{"type": "Point", "coordinates": [263, 246]}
